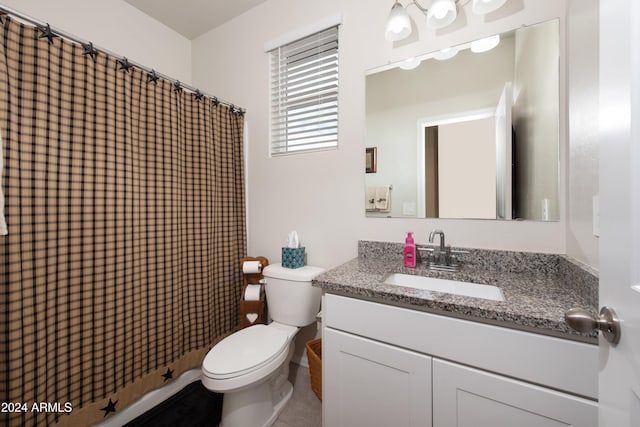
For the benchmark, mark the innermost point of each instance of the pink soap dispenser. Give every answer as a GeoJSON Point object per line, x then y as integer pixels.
{"type": "Point", "coordinates": [409, 251]}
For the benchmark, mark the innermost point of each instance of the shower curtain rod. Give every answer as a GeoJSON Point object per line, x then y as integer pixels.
{"type": "Point", "coordinates": [151, 72]}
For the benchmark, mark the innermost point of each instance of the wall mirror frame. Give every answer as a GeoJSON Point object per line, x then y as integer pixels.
{"type": "Point", "coordinates": [474, 136]}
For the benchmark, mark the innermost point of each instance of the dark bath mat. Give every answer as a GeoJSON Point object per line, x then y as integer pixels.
{"type": "Point", "coordinates": [193, 406]}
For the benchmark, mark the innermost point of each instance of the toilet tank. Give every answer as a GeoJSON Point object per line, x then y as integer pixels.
{"type": "Point", "coordinates": [291, 298]}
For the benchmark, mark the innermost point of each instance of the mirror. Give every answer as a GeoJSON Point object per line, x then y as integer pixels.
{"type": "Point", "coordinates": [472, 136]}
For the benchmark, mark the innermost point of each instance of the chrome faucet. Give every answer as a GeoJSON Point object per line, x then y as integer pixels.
{"type": "Point", "coordinates": [441, 258]}
{"type": "Point", "coordinates": [435, 233]}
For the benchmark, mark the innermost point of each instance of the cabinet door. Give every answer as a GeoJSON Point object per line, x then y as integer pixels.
{"type": "Point", "coordinates": [368, 383]}
{"type": "Point", "coordinates": [467, 397]}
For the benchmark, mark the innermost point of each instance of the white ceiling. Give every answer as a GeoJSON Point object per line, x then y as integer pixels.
{"type": "Point", "coordinates": [192, 18]}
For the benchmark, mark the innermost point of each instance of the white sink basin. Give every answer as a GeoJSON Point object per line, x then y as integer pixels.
{"type": "Point", "coordinates": [466, 289]}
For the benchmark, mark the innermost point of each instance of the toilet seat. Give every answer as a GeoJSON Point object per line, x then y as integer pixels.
{"type": "Point", "coordinates": [245, 351]}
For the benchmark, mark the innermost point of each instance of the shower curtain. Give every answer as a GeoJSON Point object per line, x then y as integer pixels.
{"type": "Point", "coordinates": [124, 200]}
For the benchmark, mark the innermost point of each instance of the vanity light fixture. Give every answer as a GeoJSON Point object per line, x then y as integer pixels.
{"type": "Point", "coordinates": [439, 14]}
{"type": "Point", "coordinates": [398, 23]}
{"type": "Point", "coordinates": [410, 63]}
{"type": "Point", "coordinates": [444, 54]}
{"type": "Point", "coordinates": [485, 44]}
{"type": "Point", "coordinates": [477, 46]}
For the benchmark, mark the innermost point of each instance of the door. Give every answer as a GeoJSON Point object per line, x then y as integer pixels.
{"type": "Point", "coordinates": [368, 383]}
{"type": "Point", "coordinates": [619, 382]}
{"type": "Point", "coordinates": [504, 160]}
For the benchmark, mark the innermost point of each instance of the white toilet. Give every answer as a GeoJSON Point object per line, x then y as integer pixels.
{"type": "Point", "coordinates": [251, 366]}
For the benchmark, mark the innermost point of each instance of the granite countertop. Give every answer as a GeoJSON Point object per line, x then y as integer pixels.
{"type": "Point", "coordinates": [538, 288]}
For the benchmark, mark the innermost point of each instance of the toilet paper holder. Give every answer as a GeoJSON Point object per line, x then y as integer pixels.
{"type": "Point", "coordinates": [255, 311]}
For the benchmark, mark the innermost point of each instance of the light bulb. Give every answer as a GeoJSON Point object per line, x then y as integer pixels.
{"type": "Point", "coordinates": [440, 11]}
{"type": "Point", "coordinates": [410, 63]}
{"type": "Point", "coordinates": [445, 54]}
{"type": "Point", "coordinates": [396, 26]}
{"type": "Point", "coordinates": [485, 44]}
{"type": "Point", "coordinates": [398, 23]}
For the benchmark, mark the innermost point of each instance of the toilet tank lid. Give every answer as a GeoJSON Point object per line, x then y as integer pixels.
{"type": "Point", "coordinates": [301, 274]}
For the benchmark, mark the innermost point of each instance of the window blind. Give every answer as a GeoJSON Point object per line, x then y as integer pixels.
{"type": "Point", "coordinates": [304, 94]}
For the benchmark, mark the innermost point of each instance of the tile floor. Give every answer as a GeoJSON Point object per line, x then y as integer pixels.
{"type": "Point", "coordinates": [304, 409]}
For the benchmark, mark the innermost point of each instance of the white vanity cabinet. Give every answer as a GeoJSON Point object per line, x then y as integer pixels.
{"type": "Point", "coordinates": [385, 365]}
{"type": "Point", "coordinates": [374, 384]}
{"type": "Point", "coordinates": [468, 397]}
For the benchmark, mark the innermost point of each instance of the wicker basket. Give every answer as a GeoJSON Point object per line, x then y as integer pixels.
{"type": "Point", "coordinates": [314, 354]}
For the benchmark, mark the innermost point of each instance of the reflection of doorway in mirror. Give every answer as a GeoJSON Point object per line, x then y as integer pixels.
{"type": "Point", "coordinates": [457, 167]}
{"type": "Point", "coordinates": [467, 169]}
{"type": "Point", "coordinates": [432, 194]}
{"type": "Point", "coordinates": [505, 166]}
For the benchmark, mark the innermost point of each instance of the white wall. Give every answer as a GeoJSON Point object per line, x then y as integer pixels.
{"type": "Point", "coordinates": [118, 27]}
{"type": "Point", "coordinates": [535, 119]}
{"type": "Point", "coordinates": [321, 194]}
{"type": "Point", "coordinates": [584, 101]}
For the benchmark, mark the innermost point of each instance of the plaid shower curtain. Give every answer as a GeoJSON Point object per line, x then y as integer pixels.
{"type": "Point", "coordinates": [125, 209]}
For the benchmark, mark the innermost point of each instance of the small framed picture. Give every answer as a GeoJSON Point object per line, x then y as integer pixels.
{"type": "Point", "coordinates": [371, 159]}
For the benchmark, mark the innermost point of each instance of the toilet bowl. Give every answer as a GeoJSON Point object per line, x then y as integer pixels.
{"type": "Point", "coordinates": [247, 357]}
{"type": "Point", "coordinates": [251, 366]}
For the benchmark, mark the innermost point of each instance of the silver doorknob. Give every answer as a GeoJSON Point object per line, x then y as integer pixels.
{"type": "Point", "coordinates": [608, 323]}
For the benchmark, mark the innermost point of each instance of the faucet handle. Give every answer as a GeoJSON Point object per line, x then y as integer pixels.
{"type": "Point", "coordinates": [428, 251]}
{"type": "Point", "coordinates": [454, 261]}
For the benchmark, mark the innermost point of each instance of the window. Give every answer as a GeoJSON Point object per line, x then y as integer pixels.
{"type": "Point", "coordinates": [304, 94]}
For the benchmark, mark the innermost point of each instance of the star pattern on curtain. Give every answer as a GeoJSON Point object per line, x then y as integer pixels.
{"type": "Point", "coordinates": [168, 375]}
{"type": "Point", "coordinates": [111, 407]}
{"type": "Point", "coordinates": [124, 64]}
{"type": "Point", "coordinates": [152, 77]}
{"type": "Point", "coordinates": [46, 33]}
{"type": "Point", "coordinates": [90, 50]}
{"type": "Point", "coordinates": [177, 86]}
{"type": "Point", "coordinates": [198, 95]}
